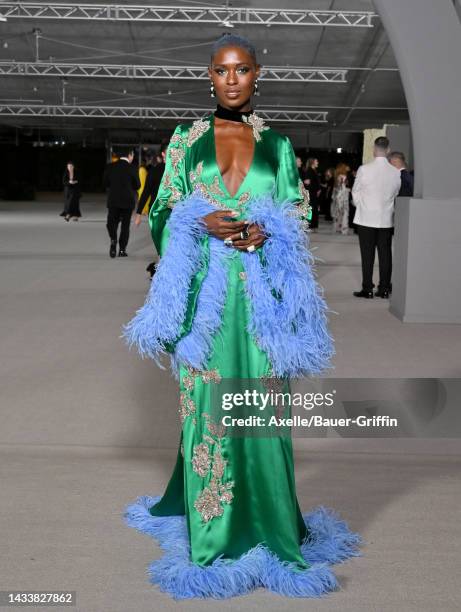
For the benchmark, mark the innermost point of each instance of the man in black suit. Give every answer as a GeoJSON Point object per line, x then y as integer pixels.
{"type": "Point", "coordinates": [121, 181]}
{"type": "Point", "coordinates": [397, 159]}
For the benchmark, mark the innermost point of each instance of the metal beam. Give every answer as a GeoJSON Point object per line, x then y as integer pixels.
{"type": "Point", "coordinates": [142, 112]}
{"type": "Point", "coordinates": [186, 14]}
{"type": "Point", "coordinates": [124, 71]}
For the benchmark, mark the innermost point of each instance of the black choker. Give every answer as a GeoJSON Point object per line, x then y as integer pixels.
{"type": "Point", "coordinates": [231, 115]}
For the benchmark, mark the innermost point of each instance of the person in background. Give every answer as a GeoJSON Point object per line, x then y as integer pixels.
{"type": "Point", "coordinates": [299, 165]}
{"type": "Point", "coordinates": [149, 193]}
{"type": "Point", "coordinates": [72, 193]}
{"type": "Point", "coordinates": [397, 159]}
{"type": "Point", "coordinates": [340, 200]}
{"type": "Point", "coordinates": [326, 195]}
{"type": "Point", "coordinates": [121, 181]}
{"type": "Point", "coordinates": [312, 182]}
{"type": "Point", "coordinates": [375, 189]}
{"type": "Point", "coordinates": [143, 170]}
{"type": "Point", "coordinates": [152, 183]}
{"type": "Point", "coordinates": [342, 169]}
{"type": "Point", "coordinates": [350, 182]}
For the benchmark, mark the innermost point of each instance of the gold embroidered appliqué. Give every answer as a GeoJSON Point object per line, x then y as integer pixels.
{"type": "Point", "coordinates": [207, 456]}
{"type": "Point", "coordinates": [243, 199]}
{"type": "Point", "coordinates": [176, 155]}
{"type": "Point", "coordinates": [201, 459]}
{"type": "Point", "coordinates": [257, 123]}
{"type": "Point", "coordinates": [198, 128]}
{"type": "Point", "coordinates": [210, 501]}
{"type": "Point", "coordinates": [208, 191]}
{"type": "Point", "coordinates": [186, 406]}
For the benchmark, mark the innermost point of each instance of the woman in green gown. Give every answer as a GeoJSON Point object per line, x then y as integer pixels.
{"type": "Point", "coordinates": [229, 519]}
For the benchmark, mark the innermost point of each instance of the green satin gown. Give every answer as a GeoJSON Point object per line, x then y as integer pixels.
{"type": "Point", "coordinates": [235, 492]}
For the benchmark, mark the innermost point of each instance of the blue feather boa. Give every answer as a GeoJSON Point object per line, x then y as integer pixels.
{"type": "Point", "coordinates": [291, 330]}
{"type": "Point", "coordinates": [158, 322]}
{"type": "Point", "coordinates": [195, 347]}
{"type": "Point", "coordinates": [290, 326]}
{"type": "Point", "coordinates": [330, 541]}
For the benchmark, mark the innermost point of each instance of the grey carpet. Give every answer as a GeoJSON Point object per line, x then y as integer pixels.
{"type": "Point", "coordinates": [87, 426]}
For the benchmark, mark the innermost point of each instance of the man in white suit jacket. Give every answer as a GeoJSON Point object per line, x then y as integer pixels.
{"type": "Point", "coordinates": [375, 188]}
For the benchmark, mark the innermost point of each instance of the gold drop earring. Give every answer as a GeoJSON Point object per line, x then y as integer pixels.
{"type": "Point", "coordinates": [212, 93]}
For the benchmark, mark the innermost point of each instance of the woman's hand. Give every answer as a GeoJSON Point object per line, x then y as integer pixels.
{"type": "Point", "coordinates": [219, 227]}
{"type": "Point", "coordinates": [256, 238]}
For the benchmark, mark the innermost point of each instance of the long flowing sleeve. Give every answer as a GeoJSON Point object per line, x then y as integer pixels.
{"type": "Point", "coordinates": [181, 239]}
{"type": "Point", "coordinates": [288, 311]}
{"type": "Point", "coordinates": [172, 188]}
{"type": "Point", "coordinates": [289, 185]}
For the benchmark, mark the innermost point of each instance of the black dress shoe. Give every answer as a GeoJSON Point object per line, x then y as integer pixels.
{"type": "Point", "coordinates": [113, 249]}
{"type": "Point", "coordinates": [363, 294]}
{"type": "Point", "coordinates": [122, 253]}
{"type": "Point", "coordinates": [382, 293]}
{"type": "Point", "coordinates": [151, 269]}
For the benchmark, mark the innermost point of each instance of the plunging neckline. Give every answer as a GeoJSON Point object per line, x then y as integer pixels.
{"type": "Point", "coordinates": [250, 168]}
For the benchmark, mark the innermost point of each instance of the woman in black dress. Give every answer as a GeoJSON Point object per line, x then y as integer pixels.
{"type": "Point", "coordinates": [72, 193]}
{"type": "Point", "coordinates": [326, 195]}
{"type": "Point", "coordinates": [312, 182]}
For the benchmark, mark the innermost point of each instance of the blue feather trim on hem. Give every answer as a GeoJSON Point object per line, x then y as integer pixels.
{"type": "Point", "coordinates": [330, 541]}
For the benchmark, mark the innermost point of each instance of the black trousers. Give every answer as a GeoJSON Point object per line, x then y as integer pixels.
{"type": "Point", "coordinates": [114, 217]}
{"type": "Point", "coordinates": [314, 222]}
{"type": "Point", "coordinates": [371, 238]}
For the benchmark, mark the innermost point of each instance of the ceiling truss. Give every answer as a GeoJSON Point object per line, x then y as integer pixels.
{"type": "Point", "coordinates": [142, 112]}
{"type": "Point", "coordinates": [124, 71]}
{"type": "Point", "coordinates": [186, 14]}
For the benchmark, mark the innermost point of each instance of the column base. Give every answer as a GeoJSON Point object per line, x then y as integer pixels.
{"type": "Point", "coordinates": [426, 278]}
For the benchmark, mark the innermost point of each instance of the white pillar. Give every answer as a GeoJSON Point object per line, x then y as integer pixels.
{"type": "Point", "coordinates": [425, 36]}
